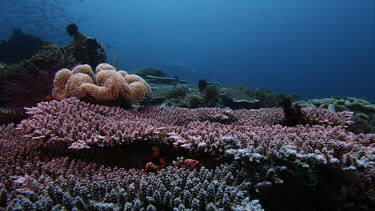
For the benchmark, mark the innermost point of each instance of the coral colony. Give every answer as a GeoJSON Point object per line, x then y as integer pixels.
{"type": "Point", "coordinates": [70, 154]}
{"type": "Point", "coordinates": [110, 84]}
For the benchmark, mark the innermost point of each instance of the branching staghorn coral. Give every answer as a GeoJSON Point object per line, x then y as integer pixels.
{"type": "Point", "coordinates": [325, 165]}
{"type": "Point", "coordinates": [197, 130]}
{"type": "Point", "coordinates": [30, 181]}
{"type": "Point", "coordinates": [106, 84]}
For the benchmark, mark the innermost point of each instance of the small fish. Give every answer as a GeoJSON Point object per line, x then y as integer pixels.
{"type": "Point", "coordinates": [46, 99]}
{"type": "Point", "coordinates": [156, 150]}
{"type": "Point", "coordinates": [191, 162]}
{"type": "Point", "coordinates": [49, 45]}
{"type": "Point", "coordinates": [162, 161]}
{"type": "Point", "coordinates": [150, 167]}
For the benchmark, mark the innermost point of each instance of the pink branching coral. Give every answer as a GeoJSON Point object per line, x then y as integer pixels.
{"type": "Point", "coordinates": [29, 181]}
{"type": "Point", "coordinates": [210, 130]}
{"type": "Point", "coordinates": [256, 156]}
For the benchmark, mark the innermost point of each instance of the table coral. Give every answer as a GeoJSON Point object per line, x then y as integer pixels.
{"type": "Point", "coordinates": [106, 84]}
{"type": "Point", "coordinates": [35, 182]}
{"type": "Point", "coordinates": [317, 165]}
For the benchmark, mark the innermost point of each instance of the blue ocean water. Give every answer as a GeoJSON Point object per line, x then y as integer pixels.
{"type": "Point", "coordinates": [314, 48]}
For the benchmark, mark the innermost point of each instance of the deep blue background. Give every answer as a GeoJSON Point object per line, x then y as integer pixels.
{"type": "Point", "coordinates": [315, 48]}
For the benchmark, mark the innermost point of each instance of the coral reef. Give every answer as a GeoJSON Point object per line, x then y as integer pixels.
{"type": "Point", "coordinates": [74, 122]}
{"type": "Point", "coordinates": [34, 72]}
{"type": "Point", "coordinates": [238, 96]}
{"type": "Point", "coordinates": [20, 46]}
{"type": "Point", "coordinates": [28, 89]}
{"type": "Point", "coordinates": [50, 59]}
{"type": "Point", "coordinates": [244, 155]}
{"type": "Point", "coordinates": [72, 29]}
{"type": "Point", "coordinates": [85, 50]}
{"type": "Point", "coordinates": [293, 114]}
{"type": "Point", "coordinates": [364, 111]}
{"type": "Point", "coordinates": [11, 115]}
{"type": "Point", "coordinates": [191, 96]}
{"type": "Point", "coordinates": [211, 96]}
{"type": "Point", "coordinates": [144, 72]}
{"type": "Point", "coordinates": [234, 96]}
{"type": "Point", "coordinates": [195, 102]}
{"type": "Point", "coordinates": [174, 81]}
{"type": "Point", "coordinates": [30, 81]}
{"type": "Point", "coordinates": [177, 92]}
{"type": "Point", "coordinates": [72, 154]}
{"type": "Point", "coordinates": [106, 84]}
{"type": "Point", "coordinates": [35, 182]}
{"type": "Point", "coordinates": [339, 104]}
{"type": "Point", "coordinates": [176, 96]}
{"type": "Point", "coordinates": [202, 85]}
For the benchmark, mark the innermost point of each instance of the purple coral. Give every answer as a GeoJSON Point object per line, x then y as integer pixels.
{"type": "Point", "coordinates": [29, 181]}
{"type": "Point", "coordinates": [82, 125]}
{"type": "Point", "coordinates": [257, 157]}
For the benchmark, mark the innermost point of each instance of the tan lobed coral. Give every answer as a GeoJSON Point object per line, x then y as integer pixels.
{"type": "Point", "coordinates": [105, 84]}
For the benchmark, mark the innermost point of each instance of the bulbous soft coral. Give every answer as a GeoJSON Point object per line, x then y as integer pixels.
{"type": "Point", "coordinates": [106, 84]}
